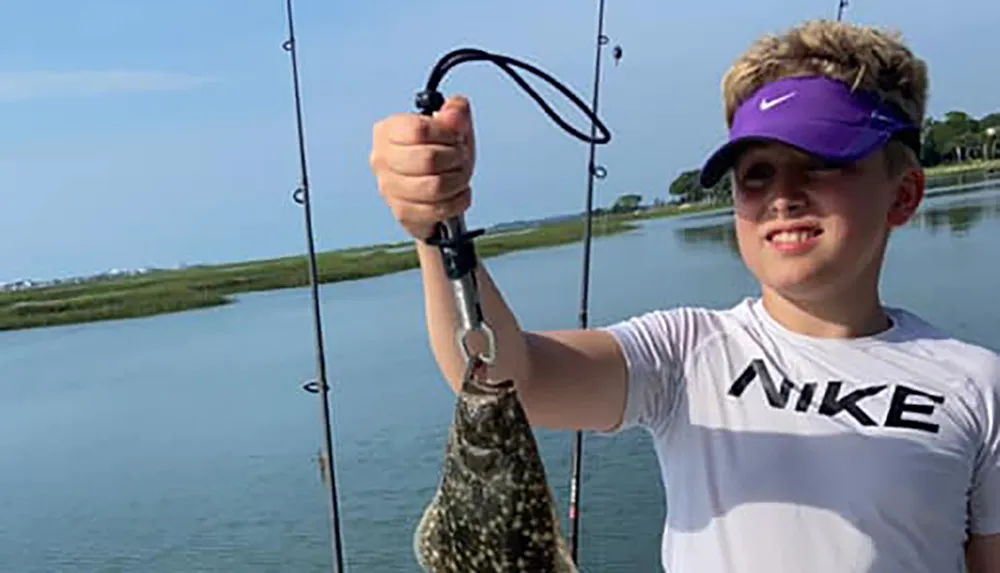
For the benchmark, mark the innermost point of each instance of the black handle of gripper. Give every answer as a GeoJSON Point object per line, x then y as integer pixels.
{"type": "Point", "coordinates": [458, 252]}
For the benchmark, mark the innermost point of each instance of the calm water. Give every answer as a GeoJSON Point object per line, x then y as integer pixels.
{"type": "Point", "coordinates": [184, 443]}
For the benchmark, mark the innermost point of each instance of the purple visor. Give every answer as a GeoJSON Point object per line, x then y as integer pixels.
{"type": "Point", "coordinates": [817, 115]}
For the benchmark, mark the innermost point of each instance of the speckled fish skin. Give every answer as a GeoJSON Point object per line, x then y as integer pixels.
{"type": "Point", "coordinates": [493, 511]}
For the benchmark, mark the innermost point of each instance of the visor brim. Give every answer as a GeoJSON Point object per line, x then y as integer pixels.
{"type": "Point", "coordinates": [832, 142]}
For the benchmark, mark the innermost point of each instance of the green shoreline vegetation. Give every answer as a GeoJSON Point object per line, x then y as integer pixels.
{"type": "Point", "coordinates": [168, 291]}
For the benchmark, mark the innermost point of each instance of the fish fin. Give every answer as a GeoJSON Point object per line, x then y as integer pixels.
{"type": "Point", "coordinates": [564, 561]}
{"type": "Point", "coordinates": [421, 531]}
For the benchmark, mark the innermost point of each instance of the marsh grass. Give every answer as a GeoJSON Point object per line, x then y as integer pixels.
{"type": "Point", "coordinates": [165, 291]}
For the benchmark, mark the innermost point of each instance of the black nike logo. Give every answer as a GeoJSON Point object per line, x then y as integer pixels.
{"type": "Point", "coordinates": [908, 408]}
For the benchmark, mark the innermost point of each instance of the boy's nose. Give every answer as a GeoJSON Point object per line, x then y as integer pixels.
{"type": "Point", "coordinates": [787, 196]}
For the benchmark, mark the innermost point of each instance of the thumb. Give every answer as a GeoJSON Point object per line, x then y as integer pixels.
{"type": "Point", "coordinates": [456, 115]}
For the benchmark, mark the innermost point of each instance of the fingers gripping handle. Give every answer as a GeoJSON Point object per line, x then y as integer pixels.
{"type": "Point", "coordinates": [458, 253]}
{"type": "Point", "coordinates": [450, 236]}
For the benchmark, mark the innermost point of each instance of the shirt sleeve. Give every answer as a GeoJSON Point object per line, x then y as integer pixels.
{"type": "Point", "coordinates": [655, 346]}
{"type": "Point", "coordinates": [984, 493]}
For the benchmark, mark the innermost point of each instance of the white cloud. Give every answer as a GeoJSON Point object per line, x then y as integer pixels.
{"type": "Point", "coordinates": [16, 86]}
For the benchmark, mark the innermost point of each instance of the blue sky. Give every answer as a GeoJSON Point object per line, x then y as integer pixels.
{"type": "Point", "coordinates": [158, 133]}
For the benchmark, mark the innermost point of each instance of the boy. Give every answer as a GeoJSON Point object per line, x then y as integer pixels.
{"type": "Point", "coordinates": [812, 429]}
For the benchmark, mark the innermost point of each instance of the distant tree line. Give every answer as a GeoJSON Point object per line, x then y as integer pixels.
{"type": "Point", "coordinates": [686, 189]}
{"type": "Point", "coordinates": [955, 138]}
{"type": "Point", "coordinates": [959, 137]}
{"type": "Point", "coordinates": [626, 203]}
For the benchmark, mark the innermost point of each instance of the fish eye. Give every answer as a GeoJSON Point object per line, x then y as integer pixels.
{"type": "Point", "coordinates": [480, 460]}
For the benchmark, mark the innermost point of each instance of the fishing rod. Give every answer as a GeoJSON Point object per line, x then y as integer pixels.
{"type": "Point", "coordinates": [318, 386]}
{"type": "Point", "coordinates": [841, 4]}
{"type": "Point", "coordinates": [594, 171]}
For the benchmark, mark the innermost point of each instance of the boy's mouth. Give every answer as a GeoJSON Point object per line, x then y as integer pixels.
{"type": "Point", "coordinates": [793, 235]}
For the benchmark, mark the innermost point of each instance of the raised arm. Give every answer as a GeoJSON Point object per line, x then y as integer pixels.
{"type": "Point", "coordinates": [567, 379]}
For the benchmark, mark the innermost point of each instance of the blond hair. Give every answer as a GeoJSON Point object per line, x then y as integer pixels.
{"type": "Point", "coordinates": [865, 57]}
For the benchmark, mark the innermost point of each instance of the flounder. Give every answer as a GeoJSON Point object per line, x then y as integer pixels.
{"type": "Point", "coordinates": [493, 510]}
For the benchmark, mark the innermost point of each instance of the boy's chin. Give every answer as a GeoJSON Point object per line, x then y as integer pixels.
{"type": "Point", "coordinates": [800, 279]}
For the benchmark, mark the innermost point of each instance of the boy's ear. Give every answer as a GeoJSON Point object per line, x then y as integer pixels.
{"type": "Point", "coordinates": [909, 193]}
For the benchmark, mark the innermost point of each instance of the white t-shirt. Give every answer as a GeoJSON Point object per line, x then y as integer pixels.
{"type": "Point", "coordinates": [786, 453]}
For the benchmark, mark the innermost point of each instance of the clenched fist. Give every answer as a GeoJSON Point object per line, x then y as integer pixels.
{"type": "Point", "coordinates": [424, 163]}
